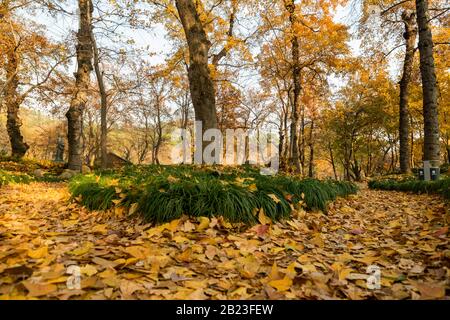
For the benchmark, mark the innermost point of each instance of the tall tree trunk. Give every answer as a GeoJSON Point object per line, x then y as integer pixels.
{"type": "Point", "coordinates": [294, 141]}
{"type": "Point", "coordinates": [448, 154]}
{"type": "Point", "coordinates": [281, 144]}
{"type": "Point", "coordinates": [412, 141]}
{"type": "Point", "coordinates": [200, 81]}
{"type": "Point", "coordinates": [410, 40]}
{"type": "Point", "coordinates": [84, 59]}
{"type": "Point", "coordinates": [159, 131]}
{"type": "Point", "coordinates": [103, 105]}
{"type": "Point", "coordinates": [311, 151]}
{"type": "Point", "coordinates": [286, 136]}
{"type": "Point", "coordinates": [13, 101]}
{"type": "Point", "coordinates": [332, 160]}
{"type": "Point", "coordinates": [429, 86]}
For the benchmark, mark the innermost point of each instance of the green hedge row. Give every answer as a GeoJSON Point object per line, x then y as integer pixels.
{"type": "Point", "coordinates": [163, 193]}
{"type": "Point", "coordinates": [441, 186]}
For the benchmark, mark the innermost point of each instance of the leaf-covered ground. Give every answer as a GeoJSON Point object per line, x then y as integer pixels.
{"type": "Point", "coordinates": [313, 256]}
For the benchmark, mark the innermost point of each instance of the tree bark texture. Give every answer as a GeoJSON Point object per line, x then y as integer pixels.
{"type": "Point", "coordinates": [84, 59]}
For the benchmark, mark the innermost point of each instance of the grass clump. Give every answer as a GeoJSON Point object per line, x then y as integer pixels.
{"type": "Point", "coordinates": [7, 177]}
{"type": "Point", "coordinates": [441, 186]}
{"type": "Point", "coordinates": [28, 166]}
{"type": "Point", "coordinates": [239, 194]}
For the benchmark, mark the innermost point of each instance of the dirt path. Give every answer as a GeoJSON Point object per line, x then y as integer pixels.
{"type": "Point", "coordinates": [313, 256]}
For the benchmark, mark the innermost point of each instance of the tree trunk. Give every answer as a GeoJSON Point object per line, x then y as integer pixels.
{"type": "Point", "coordinates": [311, 151]}
{"type": "Point", "coordinates": [200, 82]}
{"type": "Point", "coordinates": [12, 101]}
{"type": "Point", "coordinates": [410, 40]}
{"type": "Point", "coordinates": [332, 160]}
{"type": "Point", "coordinates": [84, 59]}
{"type": "Point", "coordinates": [412, 141]}
{"type": "Point", "coordinates": [429, 86]}
{"type": "Point", "coordinates": [294, 141]}
{"type": "Point", "coordinates": [159, 131]}
{"type": "Point", "coordinates": [448, 155]}
{"type": "Point", "coordinates": [103, 105]}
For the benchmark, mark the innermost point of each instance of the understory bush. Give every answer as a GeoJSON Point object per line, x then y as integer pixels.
{"type": "Point", "coordinates": [13, 170]}
{"type": "Point", "coordinates": [14, 177]}
{"type": "Point", "coordinates": [164, 193]}
{"type": "Point", "coordinates": [441, 186]}
{"type": "Point", "coordinates": [28, 166]}
{"type": "Point", "coordinates": [7, 177]}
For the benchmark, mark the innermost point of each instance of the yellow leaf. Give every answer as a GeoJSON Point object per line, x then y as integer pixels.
{"type": "Point", "coordinates": [88, 270]}
{"type": "Point", "coordinates": [180, 239]}
{"type": "Point", "coordinates": [193, 284]}
{"type": "Point", "coordinates": [61, 279]}
{"type": "Point", "coordinates": [188, 226]}
{"type": "Point", "coordinates": [118, 211]}
{"type": "Point", "coordinates": [290, 271]}
{"type": "Point", "coordinates": [308, 268]}
{"type": "Point", "coordinates": [241, 292]}
{"type": "Point", "coordinates": [367, 260]}
{"type": "Point", "coordinates": [204, 224]}
{"type": "Point", "coordinates": [430, 291]}
{"type": "Point", "coordinates": [185, 256]}
{"type": "Point", "coordinates": [173, 225]}
{"type": "Point", "coordinates": [133, 208]}
{"type": "Point", "coordinates": [155, 231]}
{"type": "Point", "coordinates": [344, 272]}
{"type": "Point", "coordinates": [83, 249]}
{"type": "Point", "coordinates": [227, 265]}
{"type": "Point", "coordinates": [252, 187]}
{"type": "Point", "coordinates": [274, 198]}
{"type": "Point", "coordinates": [39, 289]}
{"type": "Point", "coordinates": [38, 253]}
{"type": "Point", "coordinates": [69, 223]}
{"type": "Point", "coordinates": [281, 285]}
{"type": "Point", "coordinates": [138, 252]}
{"type": "Point", "coordinates": [108, 273]}
{"type": "Point", "coordinates": [263, 219]}
{"type": "Point", "coordinates": [172, 179]}
{"type": "Point", "coordinates": [274, 274]}
{"type": "Point", "coordinates": [318, 241]}
{"type": "Point", "coordinates": [303, 259]}
{"type": "Point", "coordinates": [100, 228]}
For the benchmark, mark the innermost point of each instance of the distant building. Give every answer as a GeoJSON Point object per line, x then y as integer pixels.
{"type": "Point", "coordinates": [113, 161]}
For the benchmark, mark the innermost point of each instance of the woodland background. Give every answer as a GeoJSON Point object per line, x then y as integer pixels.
{"type": "Point", "coordinates": [341, 111]}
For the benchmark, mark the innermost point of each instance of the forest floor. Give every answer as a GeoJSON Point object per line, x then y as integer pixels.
{"type": "Point", "coordinates": [313, 256]}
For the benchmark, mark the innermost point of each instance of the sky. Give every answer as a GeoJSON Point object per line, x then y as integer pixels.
{"type": "Point", "coordinates": [154, 38]}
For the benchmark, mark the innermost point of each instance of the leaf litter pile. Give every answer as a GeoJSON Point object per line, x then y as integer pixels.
{"type": "Point", "coordinates": [312, 256]}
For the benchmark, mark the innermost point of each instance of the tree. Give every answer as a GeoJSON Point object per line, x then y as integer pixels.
{"type": "Point", "coordinates": [404, 121]}
{"type": "Point", "coordinates": [29, 61]}
{"type": "Point", "coordinates": [429, 85]}
{"type": "Point", "coordinates": [82, 78]}
{"type": "Point", "coordinates": [295, 155]}
{"type": "Point", "coordinates": [103, 104]}
{"type": "Point", "coordinates": [200, 81]}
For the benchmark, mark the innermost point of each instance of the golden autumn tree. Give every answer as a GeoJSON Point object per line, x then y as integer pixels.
{"type": "Point", "coordinates": [28, 61]}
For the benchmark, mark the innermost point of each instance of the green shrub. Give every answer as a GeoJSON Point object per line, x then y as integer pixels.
{"type": "Point", "coordinates": [441, 186]}
{"type": "Point", "coordinates": [14, 177]}
{"type": "Point", "coordinates": [164, 193]}
{"type": "Point", "coordinates": [28, 166]}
